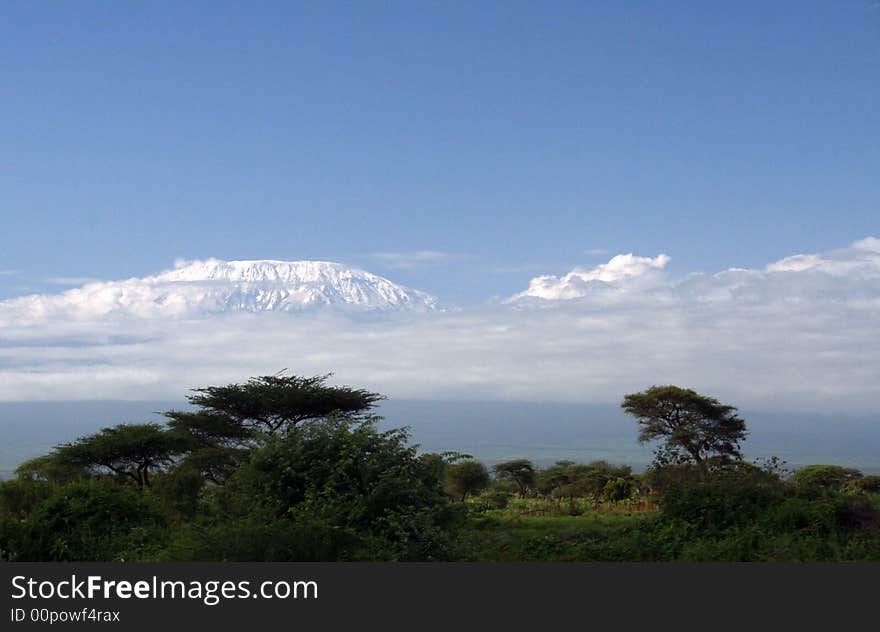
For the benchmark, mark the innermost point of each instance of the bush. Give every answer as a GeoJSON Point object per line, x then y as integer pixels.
{"type": "Point", "coordinates": [467, 478]}
{"type": "Point", "coordinates": [867, 484]}
{"type": "Point", "coordinates": [496, 498]}
{"type": "Point", "coordinates": [20, 496]}
{"type": "Point", "coordinates": [328, 490]}
{"type": "Point", "coordinates": [659, 480]}
{"type": "Point", "coordinates": [815, 480]}
{"type": "Point", "coordinates": [800, 515]}
{"type": "Point", "coordinates": [724, 498]}
{"type": "Point", "coordinates": [96, 520]}
{"type": "Point", "coordinates": [179, 490]}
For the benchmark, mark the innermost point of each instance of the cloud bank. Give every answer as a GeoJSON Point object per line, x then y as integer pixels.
{"type": "Point", "coordinates": [799, 334]}
{"type": "Point", "coordinates": [623, 271]}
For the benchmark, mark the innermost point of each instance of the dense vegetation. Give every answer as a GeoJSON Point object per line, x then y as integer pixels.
{"type": "Point", "coordinates": [285, 468]}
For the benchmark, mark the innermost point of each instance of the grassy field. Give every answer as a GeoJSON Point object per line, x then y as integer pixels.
{"type": "Point", "coordinates": [540, 530]}
{"type": "Point", "coordinates": [537, 530]}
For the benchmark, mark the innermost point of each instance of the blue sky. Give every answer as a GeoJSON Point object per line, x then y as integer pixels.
{"type": "Point", "coordinates": [517, 138]}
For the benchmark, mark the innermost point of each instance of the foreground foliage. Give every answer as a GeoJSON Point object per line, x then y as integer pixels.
{"type": "Point", "coordinates": [291, 469]}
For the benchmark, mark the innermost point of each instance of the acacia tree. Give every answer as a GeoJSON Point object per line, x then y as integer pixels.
{"type": "Point", "coordinates": [550, 481]}
{"type": "Point", "coordinates": [592, 479]}
{"type": "Point", "coordinates": [218, 443]}
{"type": "Point", "coordinates": [49, 469]}
{"type": "Point", "coordinates": [129, 450]}
{"type": "Point", "coordinates": [270, 404]}
{"type": "Point", "coordinates": [693, 427]}
{"type": "Point", "coordinates": [231, 420]}
{"type": "Point", "coordinates": [520, 471]}
{"type": "Point", "coordinates": [466, 478]}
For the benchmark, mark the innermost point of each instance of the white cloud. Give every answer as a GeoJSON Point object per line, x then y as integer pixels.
{"type": "Point", "coordinates": [621, 271]}
{"type": "Point", "coordinates": [868, 243]}
{"type": "Point", "coordinates": [861, 259]}
{"type": "Point", "coordinates": [782, 337]}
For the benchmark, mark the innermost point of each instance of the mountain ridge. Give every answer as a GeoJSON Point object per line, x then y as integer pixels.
{"type": "Point", "coordinates": [213, 285]}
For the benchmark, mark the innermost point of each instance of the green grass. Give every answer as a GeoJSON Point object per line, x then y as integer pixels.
{"type": "Point", "coordinates": [535, 530]}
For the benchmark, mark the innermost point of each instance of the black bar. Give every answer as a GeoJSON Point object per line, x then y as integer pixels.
{"type": "Point", "coordinates": [454, 596]}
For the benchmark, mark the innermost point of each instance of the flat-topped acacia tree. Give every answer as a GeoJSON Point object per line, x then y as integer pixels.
{"type": "Point", "coordinates": [466, 478]}
{"type": "Point", "coordinates": [231, 419]}
{"type": "Point", "coordinates": [520, 471]}
{"type": "Point", "coordinates": [694, 427]}
{"type": "Point", "coordinates": [128, 450]}
{"type": "Point", "coordinates": [268, 404]}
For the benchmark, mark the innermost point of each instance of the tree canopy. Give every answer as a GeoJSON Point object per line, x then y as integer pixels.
{"type": "Point", "coordinates": [520, 471]}
{"type": "Point", "coordinates": [269, 404]}
{"type": "Point", "coordinates": [466, 478]}
{"type": "Point", "coordinates": [598, 479]}
{"type": "Point", "coordinates": [821, 477]}
{"type": "Point", "coordinates": [129, 450]}
{"type": "Point", "coordinates": [693, 427]}
{"type": "Point", "coordinates": [230, 420]}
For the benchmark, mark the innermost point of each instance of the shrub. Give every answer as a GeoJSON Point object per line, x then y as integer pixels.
{"type": "Point", "coordinates": [724, 498]}
{"type": "Point", "coordinates": [496, 498]}
{"type": "Point", "coordinates": [96, 520]}
{"type": "Point", "coordinates": [467, 478]}
{"type": "Point", "coordinates": [819, 479]}
{"type": "Point", "coordinates": [332, 489]}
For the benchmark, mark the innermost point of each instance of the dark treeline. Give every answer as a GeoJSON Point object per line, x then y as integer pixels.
{"type": "Point", "coordinates": [289, 468]}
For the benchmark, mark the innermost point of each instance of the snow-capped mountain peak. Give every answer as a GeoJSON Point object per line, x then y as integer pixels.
{"type": "Point", "coordinates": [209, 286]}
{"type": "Point", "coordinates": [260, 271]}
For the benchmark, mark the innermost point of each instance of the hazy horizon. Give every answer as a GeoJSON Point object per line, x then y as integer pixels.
{"type": "Point", "coordinates": [490, 431]}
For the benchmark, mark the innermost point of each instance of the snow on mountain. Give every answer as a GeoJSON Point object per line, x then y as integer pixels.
{"type": "Point", "coordinates": [209, 286]}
